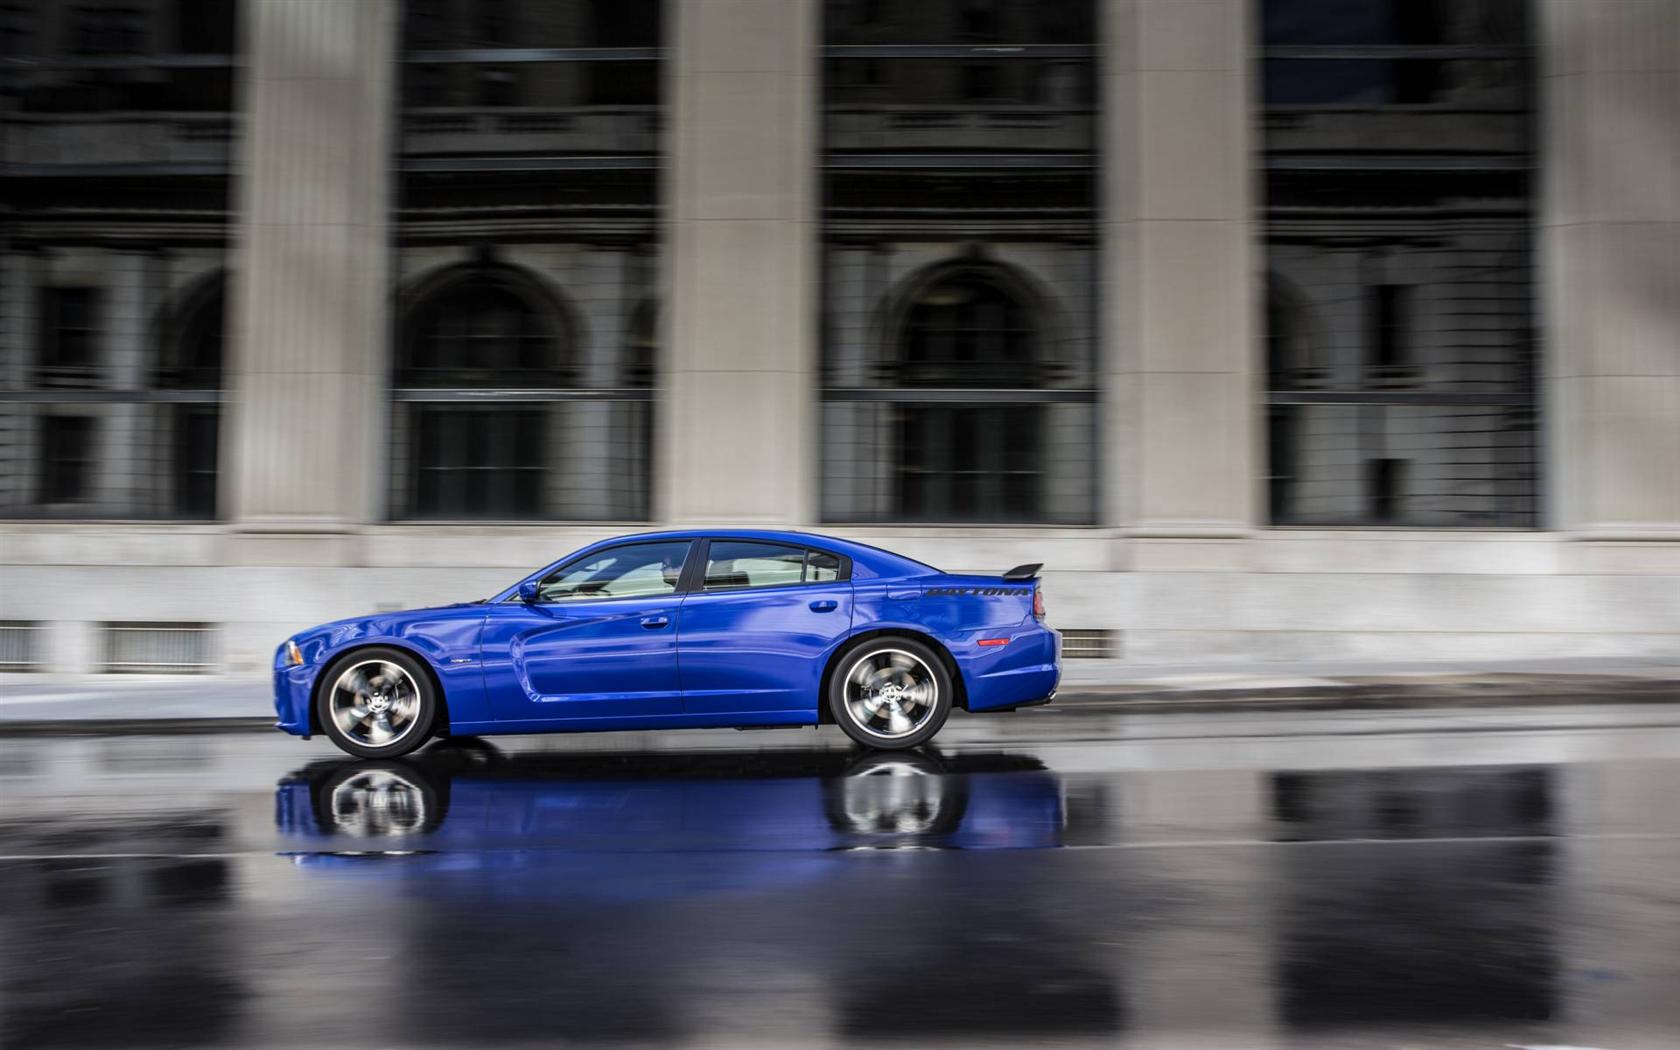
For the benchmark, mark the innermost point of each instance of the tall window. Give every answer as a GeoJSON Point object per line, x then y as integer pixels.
{"type": "Point", "coordinates": [481, 328]}
{"type": "Point", "coordinates": [960, 266]}
{"type": "Point", "coordinates": [527, 244]}
{"type": "Point", "coordinates": [1401, 345]}
{"type": "Point", "coordinates": [116, 128]}
{"type": "Point", "coordinates": [190, 370]}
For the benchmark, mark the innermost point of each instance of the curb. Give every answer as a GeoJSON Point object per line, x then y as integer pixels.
{"type": "Point", "coordinates": [133, 726]}
{"type": "Point", "coordinates": [1482, 691]}
{"type": "Point", "coordinates": [1512, 690]}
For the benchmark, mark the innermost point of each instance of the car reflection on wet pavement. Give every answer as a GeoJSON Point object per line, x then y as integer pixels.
{"type": "Point", "coordinates": [1293, 880]}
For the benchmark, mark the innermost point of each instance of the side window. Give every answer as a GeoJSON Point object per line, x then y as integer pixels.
{"type": "Point", "coordinates": [734, 564]}
{"type": "Point", "coordinates": [821, 567]}
{"type": "Point", "coordinates": [637, 570]}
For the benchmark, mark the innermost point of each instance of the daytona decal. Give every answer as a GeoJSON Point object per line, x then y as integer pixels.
{"type": "Point", "coordinates": [933, 592]}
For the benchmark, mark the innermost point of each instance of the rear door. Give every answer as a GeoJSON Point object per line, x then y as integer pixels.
{"type": "Point", "coordinates": [755, 633]}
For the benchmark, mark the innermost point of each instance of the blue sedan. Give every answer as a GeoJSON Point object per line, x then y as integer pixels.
{"type": "Point", "coordinates": [674, 630]}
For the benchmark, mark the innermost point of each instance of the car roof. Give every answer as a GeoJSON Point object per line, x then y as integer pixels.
{"type": "Point", "coordinates": [878, 562]}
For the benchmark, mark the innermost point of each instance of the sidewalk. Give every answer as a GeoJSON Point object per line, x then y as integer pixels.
{"type": "Point", "coordinates": [183, 703]}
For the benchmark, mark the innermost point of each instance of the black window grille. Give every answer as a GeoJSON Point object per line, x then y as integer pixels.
{"type": "Point", "coordinates": [966, 330]}
{"type": "Point", "coordinates": [477, 462]}
{"type": "Point", "coordinates": [116, 129]}
{"type": "Point", "coordinates": [527, 234]}
{"type": "Point", "coordinates": [1402, 351]}
{"type": "Point", "coordinates": [959, 229]}
{"type": "Point", "coordinates": [961, 463]}
{"type": "Point", "coordinates": [67, 454]}
{"type": "Point", "coordinates": [480, 331]}
{"type": "Point", "coordinates": [69, 336]}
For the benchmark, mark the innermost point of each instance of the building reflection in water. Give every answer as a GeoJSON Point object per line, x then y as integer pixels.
{"type": "Point", "coordinates": [1454, 929]}
{"type": "Point", "coordinates": [652, 881]}
{"type": "Point", "coordinates": [102, 951]}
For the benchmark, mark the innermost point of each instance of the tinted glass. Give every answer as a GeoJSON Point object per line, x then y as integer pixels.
{"type": "Point", "coordinates": [638, 570]}
{"type": "Point", "coordinates": [117, 125]}
{"type": "Point", "coordinates": [527, 246]}
{"type": "Point", "coordinates": [1401, 343]}
{"type": "Point", "coordinates": [821, 567]}
{"type": "Point", "coordinates": [959, 225]}
{"type": "Point", "coordinates": [733, 564]}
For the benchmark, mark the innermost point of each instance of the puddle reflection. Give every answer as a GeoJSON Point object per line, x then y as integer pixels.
{"type": "Point", "coordinates": [472, 797]}
{"type": "Point", "coordinates": [1459, 932]}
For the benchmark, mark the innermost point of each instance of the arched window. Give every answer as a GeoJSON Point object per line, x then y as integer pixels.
{"type": "Point", "coordinates": [966, 326]}
{"type": "Point", "coordinates": [191, 343]}
{"type": "Point", "coordinates": [485, 327]}
{"type": "Point", "coordinates": [970, 327]}
{"type": "Point", "coordinates": [494, 405]}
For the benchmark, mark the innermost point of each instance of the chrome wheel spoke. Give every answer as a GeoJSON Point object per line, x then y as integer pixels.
{"type": "Point", "coordinates": [378, 804]}
{"type": "Point", "coordinates": [890, 693]}
{"type": "Point", "coordinates": [375, 703]}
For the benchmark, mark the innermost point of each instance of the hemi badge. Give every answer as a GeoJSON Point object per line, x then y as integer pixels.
{"type": "Point", "coordinates": [461, 660]}
{"type": "Point", "coordinates": [994, 641]}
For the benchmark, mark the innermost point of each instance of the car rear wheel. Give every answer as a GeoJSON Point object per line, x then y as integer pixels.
{"type": "Point", "coordinates": [380, 800]}
{"type": "Point", "coordinates": [377, 703]}
{"type": "Point", "coordinates": [890, 693]}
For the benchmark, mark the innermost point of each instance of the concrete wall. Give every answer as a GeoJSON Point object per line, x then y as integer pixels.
{"type": "Point", "coordinates": [1180, 565]}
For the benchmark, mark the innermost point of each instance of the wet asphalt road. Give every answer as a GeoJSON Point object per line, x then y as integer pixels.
{"type": "Point", "coordinates": [1383, 879]}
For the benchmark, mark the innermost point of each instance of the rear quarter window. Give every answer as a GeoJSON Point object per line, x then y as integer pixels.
{"type": "Point", "coordinates": [740, 564]}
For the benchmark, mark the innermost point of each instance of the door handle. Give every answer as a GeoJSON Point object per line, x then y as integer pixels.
{"type": "Point", "coordinates": [824, 605]}
{"type": "Point", "coordinates": [654, 623]}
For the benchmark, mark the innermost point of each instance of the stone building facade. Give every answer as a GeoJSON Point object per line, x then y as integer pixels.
{"type": "Point", "coordinates": [1277, 329]}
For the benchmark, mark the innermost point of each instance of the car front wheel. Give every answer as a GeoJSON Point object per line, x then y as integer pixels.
{"type": "Point", "coordinates": [377, 703]}
{"type": "Point", "coordinates": [890, 693]}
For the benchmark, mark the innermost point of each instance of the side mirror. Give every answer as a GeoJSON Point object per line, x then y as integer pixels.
{"type": "Point", "coordinates": [528, 592]}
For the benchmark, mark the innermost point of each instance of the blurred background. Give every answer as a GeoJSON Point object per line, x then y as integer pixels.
{"type": "Point", "coordinates": [1318, 334]}
{"type": "Point", "coordinates": [1277, 329]}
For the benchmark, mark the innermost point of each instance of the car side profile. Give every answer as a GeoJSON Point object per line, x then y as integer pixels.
{"type": "Point", "coordinates": [674, 630]}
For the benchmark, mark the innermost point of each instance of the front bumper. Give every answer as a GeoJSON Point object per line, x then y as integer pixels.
{"type": "Point", "coordinates": [292, 686]}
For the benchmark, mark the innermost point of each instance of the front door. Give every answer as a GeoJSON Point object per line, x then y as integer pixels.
{"type": "Point", "coordinates": [599, 641]}
{"type": "Point", "coordinates": [755, 635]}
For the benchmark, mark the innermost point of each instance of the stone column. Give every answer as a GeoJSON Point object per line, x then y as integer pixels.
{"type": "Point", "coordinates": [1178, 308]}
{"type": "Point", "coordinates": [738, 388]}
{"type": "Point", "coordinates": [1611, 243]}
{"type": "Point", "coordinates": [307, 360]}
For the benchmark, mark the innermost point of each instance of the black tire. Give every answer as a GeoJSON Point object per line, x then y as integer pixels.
{"type": "Point", "coordinates": [409, 694]}
{"type": "Point", "coordinates": [898, 660]}
{"type": "Point", "coordinates": [377, 800]}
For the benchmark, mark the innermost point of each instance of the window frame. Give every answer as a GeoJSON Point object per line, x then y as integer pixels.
{"type": "Point", "coordinates": [698, 580]}
{"type": "Point", "coordinates": [683, 577]}
{"type": "Point", "coordinates": [850, 174]}
{"type": "Point", "coordinates": [692, 578]}
{"type": "Point", "coordinates": [1402, 385]}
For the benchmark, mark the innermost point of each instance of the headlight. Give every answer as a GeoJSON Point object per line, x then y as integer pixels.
{"type": "Point", "coordinates": [294, 656]}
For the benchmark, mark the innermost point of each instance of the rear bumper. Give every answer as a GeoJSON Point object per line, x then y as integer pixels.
{"type": "Point", "coordinates": [1033, 703]}
{"type": "Point", "coordinates": [1023, 673]}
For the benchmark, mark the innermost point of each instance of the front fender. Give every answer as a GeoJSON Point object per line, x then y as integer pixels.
{"type": "Point", "coordinates": [446, 644]}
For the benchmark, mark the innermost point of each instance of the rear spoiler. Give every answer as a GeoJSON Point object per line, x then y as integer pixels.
{"type": "Point", "coordinates": [1024, 572]}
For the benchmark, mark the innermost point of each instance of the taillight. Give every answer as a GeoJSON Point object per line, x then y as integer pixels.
{"type": "Point", "coordinates": [1038, 603]}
